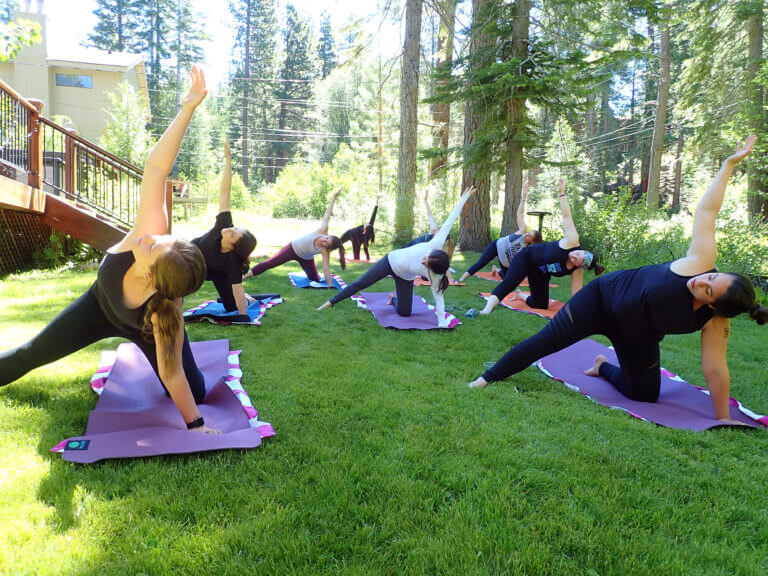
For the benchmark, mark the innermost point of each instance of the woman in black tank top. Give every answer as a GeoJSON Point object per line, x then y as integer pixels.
{"type": "Point", "coordinates": [226, 249]}
{"type": "Point", "coordinates": [138, 290]}
{"type": "Point", "coordinates": [636, 308]}
{"type": "Point", "coordinates": [540, 262]}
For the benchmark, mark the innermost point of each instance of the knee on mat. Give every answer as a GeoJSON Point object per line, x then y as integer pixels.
{"type": "Point", "coordinates": [539, 304]}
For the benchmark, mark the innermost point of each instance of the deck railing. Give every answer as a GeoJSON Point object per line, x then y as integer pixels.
{"type": "Point", "coordinates": [46, 156]}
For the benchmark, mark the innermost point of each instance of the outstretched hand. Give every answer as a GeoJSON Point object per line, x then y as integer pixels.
{"type": "Point", "coordinates": [525, 189]}
{"type": "Point", "coordinates": [197, 92]}
{"type": "Point", "coordinates": [471, 190]}
{"type": "Point", "coordinates": [742, 150]}
{"type": "Point", "coordinates": [227, 149]}
{"type": "Point", "coordinates": [561, 185]}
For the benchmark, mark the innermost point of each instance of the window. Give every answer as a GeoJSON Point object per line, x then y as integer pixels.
{"type": "Point", "coordinates": [74, 80]}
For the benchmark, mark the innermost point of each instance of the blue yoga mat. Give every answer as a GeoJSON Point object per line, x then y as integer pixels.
{"type": "Point", "coordinates": [214, 312]}
{"type": "Point", "coordinates": [300, 280]}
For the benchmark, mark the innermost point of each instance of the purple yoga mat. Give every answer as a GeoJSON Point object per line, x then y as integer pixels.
{"type": "Point", "coordinates": [422, 317]}
{"type": "Point", "coordinates": [680, 405]}
{"type": "Point", "coordinates": [134, 417]}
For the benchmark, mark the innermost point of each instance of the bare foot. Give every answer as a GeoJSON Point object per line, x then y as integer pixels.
{"type": "Point", "coordinates": [595, 370]}
{"type": "Point", "coordinates": [518, 295]}
{"type": "Point", "coordinates": [390, 297]}
{"type": "Point", "coordinates": [479, 383]}
{"type": "Point", "coordinates": [326, 304]}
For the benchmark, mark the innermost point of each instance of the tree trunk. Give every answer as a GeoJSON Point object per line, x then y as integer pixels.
{"type": "Point", "coordinates": [678, 172]}
{"type": "Point", "coordinates": [757, 198]}
{"type": "Point", "coordinates": [474, 230]}
{"type": "Point", "coordinates": [409, 102]}
{"type": "Point", "coordinates": [657, 144]}
{"type": "Point", "coordinates": [246, 83]}
{"type": "Point", "coordinates": [516, 112]}
{"type": "Point", "coordinates": [441, 112]}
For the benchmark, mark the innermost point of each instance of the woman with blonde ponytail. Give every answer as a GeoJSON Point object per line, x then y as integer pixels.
{"type": "Point", "coordinates": [139, 289]}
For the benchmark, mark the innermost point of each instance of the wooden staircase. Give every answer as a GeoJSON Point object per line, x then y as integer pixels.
{"type": "Point", "coordinates": [59, 180]}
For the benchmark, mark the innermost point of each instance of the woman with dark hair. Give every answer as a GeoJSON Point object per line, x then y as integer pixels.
{"type": "Point", "coordinates": [303, 251]}
{"type": "Point", "coordinates": [506, 247]}
{"type": "Point", "coordinates": [227, 249]}
{"type": "Point", "coordinates": [362, 235]}
{"type": "Point", "coordinates": [539, 262]}
{"type": "Point", "coordinates": [636, 308]}
{"type": "Point", "coordinates": [423, 259]}
{"type": "Point", "coordinates": [139, 289]}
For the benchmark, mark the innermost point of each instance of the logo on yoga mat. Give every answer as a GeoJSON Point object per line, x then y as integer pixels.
{"type": "Point", "coordinates": [77, 445]}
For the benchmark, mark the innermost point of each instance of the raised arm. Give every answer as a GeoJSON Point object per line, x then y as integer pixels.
{"type": "Point", "coordinates": [442, 234]}
{"type": "Point", "coordinates": [570, 234]}
{"type": "Point", "coordinates": [226, 179]}
{"type": "Point", "coordinates": [430, 218]}
{"type": "Point", "coordinates": [521, 227]}
{"type": "Point", "coordinates": [703, 248]}
{"type": "Point", "coordinates": [152, 214]}
{"type": "Point", "coordinates": [328, 211]}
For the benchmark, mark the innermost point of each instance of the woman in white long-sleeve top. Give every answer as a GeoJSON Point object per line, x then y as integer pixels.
{"type": "Point", "coordinates": [404, 265]}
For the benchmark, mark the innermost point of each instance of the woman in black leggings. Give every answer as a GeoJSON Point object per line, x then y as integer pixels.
{"type": "Point", "coordinates": [506, 247]}
{"type": "Point", "coordinates": [139, 289]}
{"type": "Point", "coordinates": [226, 249]}
{"type": "Point", "coordinates": [636, 308]}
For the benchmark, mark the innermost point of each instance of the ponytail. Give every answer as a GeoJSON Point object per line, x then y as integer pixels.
{"type": "Point", "coordinates": [166, 328]}
{"type": "Point", "coordinates": [176, 273]}
{"type": "Point", "coordinates": [243, 248]}
{"type": "Point", "coordinates": [759, 314]}
{"type": "Point", "coordinates": [740, 298]}
{"type": "Point", "coordinates": [336, 243]}
{"type": "Point", "coordinates": [438, 262]}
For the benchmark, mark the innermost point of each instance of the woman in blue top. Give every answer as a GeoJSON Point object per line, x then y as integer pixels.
{"type": "Point", "coordinates": [138, 290]}
{"type": "Point", "coordinates": [539, 262]}
{"type": "Point", "coordinates": [636, 308]}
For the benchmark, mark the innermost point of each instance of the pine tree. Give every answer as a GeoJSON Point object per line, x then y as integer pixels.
{"type": "Point", "coordinates": [251, 83]}
{"type": "Point", "coordinates": [153, 39]}
{"type": "Point", "coordinates": [116, 27]}
{"type": "Point", "coordinates": [293, 91]}
{"type": "Point", "coordinates": [326, 50]}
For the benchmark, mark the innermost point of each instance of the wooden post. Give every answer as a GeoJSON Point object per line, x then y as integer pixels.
{"type": "Point", "coordinates": [34, 149]}
{"type": "Point", "coordinates": [169, 203]}
{"type": "Point", "coordinates": [70, 166]}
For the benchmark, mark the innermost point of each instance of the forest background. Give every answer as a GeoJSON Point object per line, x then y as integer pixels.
{"type": "Point", "coordinates": [636, 102]}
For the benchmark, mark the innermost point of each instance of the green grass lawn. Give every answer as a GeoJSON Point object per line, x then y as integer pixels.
{"type": "Point", "coordinates": [384, 461]}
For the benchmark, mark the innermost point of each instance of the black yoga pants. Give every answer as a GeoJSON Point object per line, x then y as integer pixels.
{"type": "Point", "coordinates": [520, 267]}
{"type": "Point", "coordinates": [78, 325]}
{"type": "Point", "coordinates": [488, 254]}
{"type": "Point", "coordinates": [224, 288]}
{"type": "Point", "coordinates": [403, 302]}
{"type": "Point", "coordinates": [638, 375]}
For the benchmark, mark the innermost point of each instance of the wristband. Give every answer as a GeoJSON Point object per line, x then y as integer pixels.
{"type": "Point", "coordinates": [196, 423]}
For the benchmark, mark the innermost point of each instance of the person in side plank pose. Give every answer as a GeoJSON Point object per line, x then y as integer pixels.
{"type": "Point", "coordinates": [303, 251]}
{"type": "Point", "coordinates": [226, 249]}
{"type": "Point", "coordinates": [423, 259]}
{"type": "Point", "coordinates": [539, 262]}
{"type": "Point", "coordinates": [139, 289]}
{"type": "Point", "coordinates": [636, 308]}
{"type": "Point", "coordinates": [506, 247]}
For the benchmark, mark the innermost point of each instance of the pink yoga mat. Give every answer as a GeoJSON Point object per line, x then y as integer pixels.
{"type": "Point", "coordinates": [680, 404]}
{"type": "Point", "coordinates": [135, 418]}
